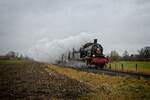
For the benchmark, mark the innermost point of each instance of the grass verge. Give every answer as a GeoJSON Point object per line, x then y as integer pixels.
{"type": "Point", "coordinates": [108, 87]}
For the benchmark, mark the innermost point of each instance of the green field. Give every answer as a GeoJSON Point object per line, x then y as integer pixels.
{"type": "Point", "coordinates": [130, 66]}
{"type": "Point", "coordinates": [11, 62]}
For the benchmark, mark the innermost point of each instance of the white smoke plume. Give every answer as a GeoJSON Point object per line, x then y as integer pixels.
{"type": "Point", "coordinates": [48, 51]}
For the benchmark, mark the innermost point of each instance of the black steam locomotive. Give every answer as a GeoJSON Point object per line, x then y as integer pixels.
{"type": "Point", "coordinates": [92, 53]}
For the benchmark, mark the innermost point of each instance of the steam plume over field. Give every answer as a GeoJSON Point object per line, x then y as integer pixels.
{"type": "Point", "coordinates": [49, 51]}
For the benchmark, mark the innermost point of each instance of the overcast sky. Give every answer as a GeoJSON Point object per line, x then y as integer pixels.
{"type": "Point", "coordinates": [122, 24]}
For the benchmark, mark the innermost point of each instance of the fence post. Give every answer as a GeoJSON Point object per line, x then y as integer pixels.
{"type": "Point", "coordinates": [122, 67]}
{"type": "Point", "coordinates": [109, 66]}
{"type": "Point", "coordinates": [136, 67]}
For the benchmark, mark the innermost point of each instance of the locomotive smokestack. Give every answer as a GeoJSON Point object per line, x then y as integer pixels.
{"type": "Point", "coordinates": [95, 41]}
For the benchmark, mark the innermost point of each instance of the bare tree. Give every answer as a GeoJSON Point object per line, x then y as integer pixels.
{"type": "Point", "coordinates": [114, 55]}
{"type": "Point", "coordinates": [126, 55]}
{"type": "Point", "coordinates": [11, 54]}
{"type": "Point", "coordinates": [144, 53]}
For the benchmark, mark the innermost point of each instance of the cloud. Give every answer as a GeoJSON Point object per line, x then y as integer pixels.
{"type": "Point", "coordinates": [121, 22]}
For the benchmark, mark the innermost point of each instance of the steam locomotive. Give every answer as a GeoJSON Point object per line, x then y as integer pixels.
{"type": "Point", "coordinates": [92, 53]}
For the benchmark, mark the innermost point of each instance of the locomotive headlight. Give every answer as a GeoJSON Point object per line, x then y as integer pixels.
{"type": "Point", "coordinates": [93, 55]}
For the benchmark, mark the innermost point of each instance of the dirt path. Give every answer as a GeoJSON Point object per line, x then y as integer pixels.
{"type": "Point", "coordinates": [32, 81]}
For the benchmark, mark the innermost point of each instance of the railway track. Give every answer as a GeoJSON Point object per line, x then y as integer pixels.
{"type": "Point", "coordinates": [107, 71]}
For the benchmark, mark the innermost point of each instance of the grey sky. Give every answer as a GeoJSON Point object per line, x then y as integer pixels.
{"type": "Point", "coordinates": [122, 24]}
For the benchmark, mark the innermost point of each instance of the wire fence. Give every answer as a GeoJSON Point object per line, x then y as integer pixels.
{"type": "Point", "coordinates": [136, 68]}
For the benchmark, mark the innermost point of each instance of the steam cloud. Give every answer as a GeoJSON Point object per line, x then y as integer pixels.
{"type": "Point", "coordinates": [48, 51]}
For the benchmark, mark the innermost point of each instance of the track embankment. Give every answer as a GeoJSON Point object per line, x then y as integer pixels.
{"type": "Point", "coordinates": [83, 67]}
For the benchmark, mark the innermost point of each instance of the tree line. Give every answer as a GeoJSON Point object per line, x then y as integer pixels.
{"type": "Point", "coordinates": [143, 55]}
{"type": "Point", "coordinates": [12, 55]}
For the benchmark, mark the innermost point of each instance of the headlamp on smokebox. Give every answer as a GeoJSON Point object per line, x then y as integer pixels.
{"type": "Point", "coordinates": [93, 55]}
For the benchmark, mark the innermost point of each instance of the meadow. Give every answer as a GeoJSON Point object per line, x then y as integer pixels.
{"type": "Point", "coordinates": [130, 66]}
{"type": "Point", "coordinates": [14, 61]}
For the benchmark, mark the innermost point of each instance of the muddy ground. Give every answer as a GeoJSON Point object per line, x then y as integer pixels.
{"type": "Point", "coordinates": [32, 81]}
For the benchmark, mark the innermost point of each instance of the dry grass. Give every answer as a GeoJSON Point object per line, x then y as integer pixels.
{"type": "Point", "coordinates": [108, 87]}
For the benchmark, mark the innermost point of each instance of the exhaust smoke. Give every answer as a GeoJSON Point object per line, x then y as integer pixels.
{"type": "Point", "coordinates": [46, 50]}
